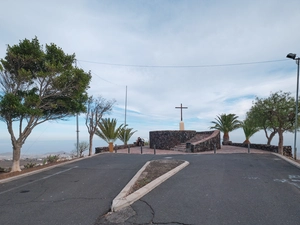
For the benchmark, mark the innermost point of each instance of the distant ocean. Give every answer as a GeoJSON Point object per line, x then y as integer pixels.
{"type": "Point", "coordinates": [35, 149]}
{"type": "Point", "coordinates": [40, 148]}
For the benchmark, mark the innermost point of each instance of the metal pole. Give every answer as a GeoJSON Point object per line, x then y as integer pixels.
{"type": "Point", "coordinates": [214, 148]}
{"type": "Point", "coordinates": [296, 119]}
{"type": "Point", "coordinates": [128, 149]}
{"type": "Point", "coordinates": [77, 130]}
{"type": "Point", "coordinates": [154, 150]}
{"type": "Point", "coordinates": [116, 148]}
{"type": "Point", "coordinates": [141, 149]}
{"type": "Point", "coordinates": [125, 114]}
{"type": "Point", "coordinates": [248, 148]}
{"type": "Point", "coordinates": [77, 126]}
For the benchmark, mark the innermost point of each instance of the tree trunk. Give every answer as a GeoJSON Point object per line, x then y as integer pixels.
{"type": "Point", "coordinates": [271, 137]}
{"type": "Point", "coordinates": [16, 158]}
{"type": "Point", "coordinates": [247, 141]}
{"type": "Point", "coordinates": [280, 142]}
{"type": "Point", "coordinates": [111, 147]}
{"type": "Point", "coordinates": [91, 145]}
{"type": "Point", "coordinates": [226, 136]}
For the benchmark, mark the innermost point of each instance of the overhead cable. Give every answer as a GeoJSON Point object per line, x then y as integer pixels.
{"type": "Point", "coordinates": [184, 66]}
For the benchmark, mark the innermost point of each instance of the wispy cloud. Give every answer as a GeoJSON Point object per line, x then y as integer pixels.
{"type": "Point", "coordinates": [166, 33]}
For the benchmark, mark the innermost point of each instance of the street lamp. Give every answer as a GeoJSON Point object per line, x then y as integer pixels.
{"type": "Point", "coordinates": [293, 56]}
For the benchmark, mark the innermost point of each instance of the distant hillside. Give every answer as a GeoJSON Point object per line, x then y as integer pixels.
{"type": "Point", "coordinates": [8, 155]}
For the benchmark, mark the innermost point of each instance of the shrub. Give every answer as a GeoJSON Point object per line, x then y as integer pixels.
{"type": "Point", "coordinates": [82, 146]}
{"type": "Point", "coordinates": [29, 165]}
{"type": "Point", "coordinates": [52, 158]}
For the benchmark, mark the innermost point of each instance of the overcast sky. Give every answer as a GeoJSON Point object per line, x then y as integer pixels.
{"type": "Point", "coordinates": [214, 57]}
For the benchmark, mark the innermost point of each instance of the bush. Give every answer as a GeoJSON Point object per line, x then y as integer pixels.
{"type": "Point", "coordinates": [82, 146]}
{"type": "Point", "coordinates": [29, 165]}
{"type": "Point", "coordinates": [51, 159]}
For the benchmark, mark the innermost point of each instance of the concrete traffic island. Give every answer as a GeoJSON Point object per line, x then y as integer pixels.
{"type": "Point", "coordinates": [126, 198]}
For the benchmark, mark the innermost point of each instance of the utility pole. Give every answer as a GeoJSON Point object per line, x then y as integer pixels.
{"type": "Point", "coordinates": [77, 126]}
{"type": "Point", "coordinates": [125, 114]}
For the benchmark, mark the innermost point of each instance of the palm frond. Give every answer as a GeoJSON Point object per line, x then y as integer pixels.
{"type": "Point", "coordinates": [125, 134]}
{"type": "Point", "coordinates": [108, 130]}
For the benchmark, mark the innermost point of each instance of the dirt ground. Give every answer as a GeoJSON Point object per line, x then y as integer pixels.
{"type": "Point", "coordinates": [155, 169]}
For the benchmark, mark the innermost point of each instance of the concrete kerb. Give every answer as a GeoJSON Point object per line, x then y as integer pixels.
{"type": "Point", "coordinates": [287, 159]}
{"type": "Point", "coordinates": [123, 199]}
{"type": "Point", "coordinates": [44, 169]}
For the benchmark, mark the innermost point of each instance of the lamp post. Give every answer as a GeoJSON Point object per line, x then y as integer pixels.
{"type": "Point", "coordinates": [293, 56]}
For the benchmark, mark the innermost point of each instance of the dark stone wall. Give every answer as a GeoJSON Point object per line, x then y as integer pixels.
{"type": "Point", "coordinates": [116, 147]}
{"type": "Point", "coordinates": [287, 150]}
{"type": "Point", "coordinates": [168, 139]}
{"type": "Point", "coordinates": [208, 143]}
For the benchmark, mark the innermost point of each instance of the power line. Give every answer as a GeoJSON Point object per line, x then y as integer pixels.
{"type": "Point", "coordinates": [184, 66]}
{"type": "Point", "coordinates": [98, 75]}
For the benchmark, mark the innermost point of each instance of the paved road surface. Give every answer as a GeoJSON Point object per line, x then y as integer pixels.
{"type": "Point", "coordinates": [225, 189]}
{"type": "Point", "coordinates": [77, 193]}
{"type": "Point", "coordinates": [213, 189]}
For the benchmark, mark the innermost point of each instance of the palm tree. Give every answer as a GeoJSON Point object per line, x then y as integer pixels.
{"type": "Point", "coordinates": [108, 131]}
{"type": "Point", "coordinates": [226, 123]}
{"type": "Point", "coordinates": [125, 134]}
{"type": "Point", "coordinates": [249, 129]}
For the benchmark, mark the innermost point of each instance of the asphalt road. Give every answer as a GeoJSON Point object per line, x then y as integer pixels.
{"type": "Point", "coordinates": [225, 189]}
{"type": "Point", "coordinates": [213, 189]}
{"type": "Point", "coordinates": [77, 193]}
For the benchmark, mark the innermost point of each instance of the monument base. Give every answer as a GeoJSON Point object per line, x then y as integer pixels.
{"type": "Point", "coordinates": [181, 125]}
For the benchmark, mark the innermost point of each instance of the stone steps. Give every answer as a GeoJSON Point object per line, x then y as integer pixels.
{"type": "Point", "coordinates": [180, 148]}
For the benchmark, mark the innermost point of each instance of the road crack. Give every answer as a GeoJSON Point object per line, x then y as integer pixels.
{"type": "Point", "coordinates": [151, 209]}
{"type": "Point", "coordinates": [172, 223]}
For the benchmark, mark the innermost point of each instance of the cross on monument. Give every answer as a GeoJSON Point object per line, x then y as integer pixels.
{"type": "Point", "coordinates": [181, 107]}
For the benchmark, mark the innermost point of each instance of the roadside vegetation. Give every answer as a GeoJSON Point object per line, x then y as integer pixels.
{"type": "Point", "coordinates": [125, 134]}
{"type": "Point", "coordinates": [226, 123]}
{"type": "Point", "coordinates": [80, 149]}
{"type": "Point", "coordinates": [41, 83]}
{"type": "Point", "coordinates": [274, 115]}
{"type": "Point", "coordinates": [96, 108]}
{"type": "Point", "coordinates": [38, 84]}
{"type": "Point", "coordinates": [108, 131]}
{"type": "Point", "coordinates": [32, 166]}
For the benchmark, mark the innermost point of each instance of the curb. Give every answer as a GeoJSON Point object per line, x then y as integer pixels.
{"type": "Point", "coordinates": [122, 200]}
{"type": "Point", "coordinates": [44, 169]}
{"type": "Point", "coordinates": [287, 159]}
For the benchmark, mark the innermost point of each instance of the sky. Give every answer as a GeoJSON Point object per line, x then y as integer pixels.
{"type": "Point", "coordinates": [212, 56]}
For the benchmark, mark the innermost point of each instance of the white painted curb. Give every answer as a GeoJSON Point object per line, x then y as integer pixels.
{"type": "Point", "coordinates": [287, 159]}
{"type": "Point", "coordinates": [122, 200]}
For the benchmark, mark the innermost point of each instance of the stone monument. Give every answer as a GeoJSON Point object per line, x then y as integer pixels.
{"type": "Point", "coordinates": [181, 123]}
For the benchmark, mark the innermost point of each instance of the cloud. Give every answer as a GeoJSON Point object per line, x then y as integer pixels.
{"type": "Point", "coordinates": [216, 36]}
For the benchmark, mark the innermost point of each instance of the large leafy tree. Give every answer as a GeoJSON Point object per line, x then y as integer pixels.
{"type": "Point", "coordinates": [226, 123]}
{"type": "Point", "coordinates": [108, 131]}
{"type": "Point", "coordinates": [277, 113]}
{"type": "Point", "coordinates": [96, 108]}
{"type": "Point", "coordinates": [38, 84]}
{"type": "Point", "coordinates": [125, 134]}
{"type": "Point", "coordinates": [260, 119]}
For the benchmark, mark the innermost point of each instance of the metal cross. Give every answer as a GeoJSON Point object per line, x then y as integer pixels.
{"type": "Point", "coordinates": [181, 107]}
